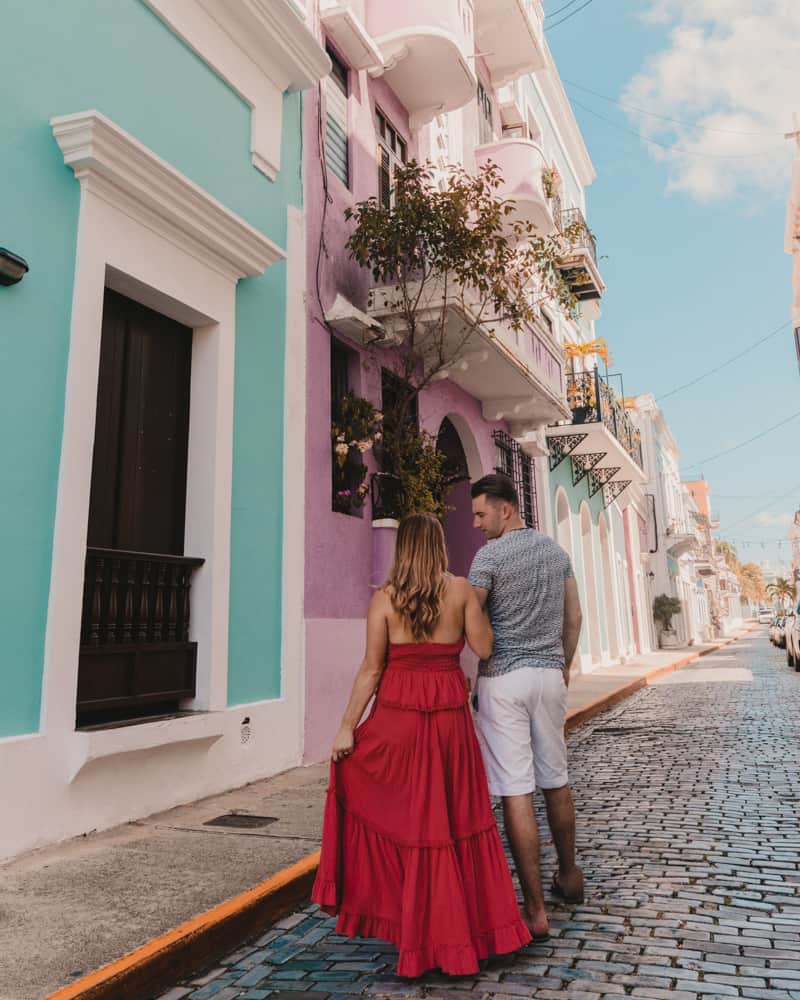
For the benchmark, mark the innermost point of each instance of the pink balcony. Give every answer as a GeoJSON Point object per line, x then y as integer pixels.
{"type": "Point", "coordinates": [510, 36]}
{"type": "Point", "coordinates": [521, 163]}
{"type": "Point", "coordinates": [426, 47]}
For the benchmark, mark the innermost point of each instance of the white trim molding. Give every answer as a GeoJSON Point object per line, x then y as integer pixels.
{"type": "Point", "coordinates": [260, 48]}
{"type": "Point", "coordinates": [113, 165]}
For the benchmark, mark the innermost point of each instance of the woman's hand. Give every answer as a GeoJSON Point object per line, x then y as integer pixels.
{"type": "Point", "coordinates": [343, 744]}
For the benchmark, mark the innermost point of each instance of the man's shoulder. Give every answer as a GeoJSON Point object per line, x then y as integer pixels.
{"type": "Point", "coordinates": [542, 548]}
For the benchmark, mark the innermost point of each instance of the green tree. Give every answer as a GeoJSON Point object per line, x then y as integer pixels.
{"type": "Point", "coordinates": [453, 263]}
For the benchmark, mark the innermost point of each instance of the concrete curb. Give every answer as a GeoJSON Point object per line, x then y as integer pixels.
{"type": "Point", "coordinates": [179, 952]}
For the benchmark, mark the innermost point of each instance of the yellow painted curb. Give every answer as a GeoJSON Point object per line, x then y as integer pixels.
{"type": "Point", "coordinates": [144, 970]}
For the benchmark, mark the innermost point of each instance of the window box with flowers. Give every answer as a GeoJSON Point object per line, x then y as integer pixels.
{"type": "Point", "coordinates": [356, 428]}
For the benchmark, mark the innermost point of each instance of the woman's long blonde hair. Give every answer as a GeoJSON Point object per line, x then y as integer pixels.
{"type": "Point", "coordinates": [417, 578]}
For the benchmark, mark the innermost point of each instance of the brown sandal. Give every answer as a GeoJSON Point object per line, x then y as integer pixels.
{"type": "Point", "coordinates": [557, 891]}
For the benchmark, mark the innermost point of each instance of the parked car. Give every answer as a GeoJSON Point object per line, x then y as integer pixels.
{"type": "Point", "coordinates": [765, 616]}
{"type": "Point", "coordinates": [792, 639]}
{"type": "Point", "coordinates": [776, 633]}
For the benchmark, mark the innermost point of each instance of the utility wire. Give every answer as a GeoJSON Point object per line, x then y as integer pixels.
{"type": "Point", "coordinates": [670, 148]}
{"type": "Point", "coordinates": [763, 510]}
{"type": "Point", "coordinates": [665, 118]}
{"type": "Point", "coordinates": [730, 361]}
{"type": "Point", "coordinates": [736, 447]}
{"type": "Point", "coordinates": [554, 13]}
{"type": "Point", "coordinates": [566, 17]}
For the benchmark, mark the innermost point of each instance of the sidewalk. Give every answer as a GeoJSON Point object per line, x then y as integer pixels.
{"type": "Point", "coordinates": [67, 910]}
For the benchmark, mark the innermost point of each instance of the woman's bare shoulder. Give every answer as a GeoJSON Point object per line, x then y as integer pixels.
{"type": "Point", "coordinates": [459, 587]}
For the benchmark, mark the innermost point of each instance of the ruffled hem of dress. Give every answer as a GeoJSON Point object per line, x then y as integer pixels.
{"type": "Point", "coordinates": [453, 960]}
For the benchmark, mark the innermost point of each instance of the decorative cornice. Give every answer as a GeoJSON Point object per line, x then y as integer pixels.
{"type": "Point", "coordinates": [261, 48]}
{"type": "Point", "coordinates": [115, 166]}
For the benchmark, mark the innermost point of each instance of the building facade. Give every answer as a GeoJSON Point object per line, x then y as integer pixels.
{"type": "Point", "coordinates": [145, 435]}
{"type": "Point", "coordinates": [676, 536]}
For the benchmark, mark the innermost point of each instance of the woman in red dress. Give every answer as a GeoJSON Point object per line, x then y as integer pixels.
{"type": "Point", "coordinates": [410, 848]}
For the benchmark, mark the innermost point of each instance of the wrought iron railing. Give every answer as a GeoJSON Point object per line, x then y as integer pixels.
{"type": "Point", "coordinates": [136, 598]}
{"type": "Point", "coordinates": [592, 400]}
{"type": "Point", "coordinates": [583, 239]}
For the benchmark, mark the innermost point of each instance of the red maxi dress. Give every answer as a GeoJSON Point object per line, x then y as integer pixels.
{"type": "Point", "coordinates": [410, 848]}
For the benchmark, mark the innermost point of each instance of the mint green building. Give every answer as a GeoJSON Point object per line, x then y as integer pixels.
{"type": "Point", "coordinates": [151, 180]}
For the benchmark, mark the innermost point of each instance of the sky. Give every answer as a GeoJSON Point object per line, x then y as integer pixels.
{"type": "Point", "coordinates": [690, 229]}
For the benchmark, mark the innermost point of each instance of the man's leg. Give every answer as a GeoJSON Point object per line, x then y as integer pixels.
{"type": "Point", "coordinates": [523, 838]}
{"type": "Point", "coordinates": [550, 759]}
{"type": "Point", "coordinates": [561, 820]}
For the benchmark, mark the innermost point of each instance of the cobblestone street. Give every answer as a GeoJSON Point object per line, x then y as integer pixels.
{"type": "Point", "coordinates": [688, 798]}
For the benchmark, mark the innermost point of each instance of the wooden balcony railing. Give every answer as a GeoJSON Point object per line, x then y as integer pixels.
{"type": "Point", "coordinates": [136, 658]}
{"type": "Point", "coordinates": [136, 597]}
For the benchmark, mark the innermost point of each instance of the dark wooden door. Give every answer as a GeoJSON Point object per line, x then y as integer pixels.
{"type": "Point", "coordinates": [136, 655]}
{"type": "Point", "coordinates": [138, 496]}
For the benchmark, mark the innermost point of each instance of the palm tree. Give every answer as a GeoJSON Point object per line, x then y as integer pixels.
{"type": "Point", "coordinates": [782, 590]}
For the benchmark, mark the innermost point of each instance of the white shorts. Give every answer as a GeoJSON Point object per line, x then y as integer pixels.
{"type": "Point", "coordinates": [520, 724]}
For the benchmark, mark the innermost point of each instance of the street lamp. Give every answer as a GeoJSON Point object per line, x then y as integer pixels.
{"type": "Point", "coordinates": [13, 268]}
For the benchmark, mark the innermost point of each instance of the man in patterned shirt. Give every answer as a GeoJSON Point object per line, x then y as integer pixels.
{"type": "Point", "coordinates": [526, 581]}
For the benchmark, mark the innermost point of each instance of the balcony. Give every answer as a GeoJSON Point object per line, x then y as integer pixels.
{"type": "Point", "coordinates": [427, 50]}
{"type": "Point", "coordinates": [343, 21]}
{"type": "Point", "coordinates": [521, 163]}
{"type": "Point", "coordinates": [510, 36]}
{"type": "Point", "coordinates": [516, 375]}
{"type": "Point", "coordinates": [579, 264]}
{"type": "Point", "coordinates": [601, 441]}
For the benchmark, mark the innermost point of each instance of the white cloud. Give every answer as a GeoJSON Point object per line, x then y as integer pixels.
{"type": "Point", "coordinates": [773, 520]}
{"type": "Point", "coordinates": [731, 65]}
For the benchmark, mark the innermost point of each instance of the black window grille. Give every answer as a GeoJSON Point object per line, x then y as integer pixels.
{"type": "Point", "coordinates": [513, 461]}
{"type": "Point", "coordinates": [345, 480]}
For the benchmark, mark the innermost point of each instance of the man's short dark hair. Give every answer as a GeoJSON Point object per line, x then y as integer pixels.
{"type": "Point", "coordinates": [497, 487]}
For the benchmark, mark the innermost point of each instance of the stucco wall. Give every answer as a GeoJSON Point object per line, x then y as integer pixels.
{"type": "Point", "coordinates": [121, 59]}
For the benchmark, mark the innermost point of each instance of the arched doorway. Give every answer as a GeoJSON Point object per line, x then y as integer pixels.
{"type": "Point", "coordinates": [463, 540]}
{"type": "Point", "coordinates": [563, 532]}
{"type": "Point", "coordinates": [590, 583]}
{"type": "Point", "coordinates": [608, 589]}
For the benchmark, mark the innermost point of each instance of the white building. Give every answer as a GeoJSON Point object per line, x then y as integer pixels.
{"type": "Point", "coordinates": [676, 557]}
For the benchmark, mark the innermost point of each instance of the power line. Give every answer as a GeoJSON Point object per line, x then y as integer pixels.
{"type": "Point", "coordinates": [666, 118]}
{"type": "Point", "coordinates": [736, 447]}
{"type": "Point", "coordinates": [763, 510]}
{"type": "Point", "coordinates": [554, 13]}
{"type": "Point", "coordinates": [566, 17]}
{"type": "Point", "coordinates": [730, 361]}
{"type": "Point", "coordinates": [667, 146]}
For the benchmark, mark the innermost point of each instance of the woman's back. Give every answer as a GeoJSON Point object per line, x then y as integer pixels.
{"type": "Point", "coordinates": [460, 616]}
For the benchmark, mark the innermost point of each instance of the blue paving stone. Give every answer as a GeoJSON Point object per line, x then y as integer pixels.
{"type": "Point", "coordinates": [333, 974]}
{"type": "Point", "coordinates": [315, 935]}
{"type": "Point", "coordinates": [359, 966]}
{"type": "Point", "coordinates": [283, 955]}
{"type": "Point", "coordinates": [254, 976]}
{"type": "Point", "coordinates": [255, 995]}
{"type": "Point", "coordinates": [210, 990]}
{"type": "Point", "coordinates": [288, 974]}
{"type": "Point", "coordinates": [294, 986]}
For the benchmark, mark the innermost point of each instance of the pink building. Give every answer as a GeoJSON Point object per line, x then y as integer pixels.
{"type": "Point", "coordinates": [407, 83]}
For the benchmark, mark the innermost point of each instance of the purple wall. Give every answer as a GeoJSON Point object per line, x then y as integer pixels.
{"type": "Point", "coordinates": [339, 549]}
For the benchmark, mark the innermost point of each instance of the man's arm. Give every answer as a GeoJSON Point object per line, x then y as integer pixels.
{"type": "Point", "coordinates": [573, 618]}
{"type": "Point", "coordinates": [482, 594]}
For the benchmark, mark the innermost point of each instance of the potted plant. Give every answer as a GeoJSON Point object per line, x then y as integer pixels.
{"type": "Point", "coordinates": [664, 607]}
{"type": "Point", "coordinates": [355, 430]}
